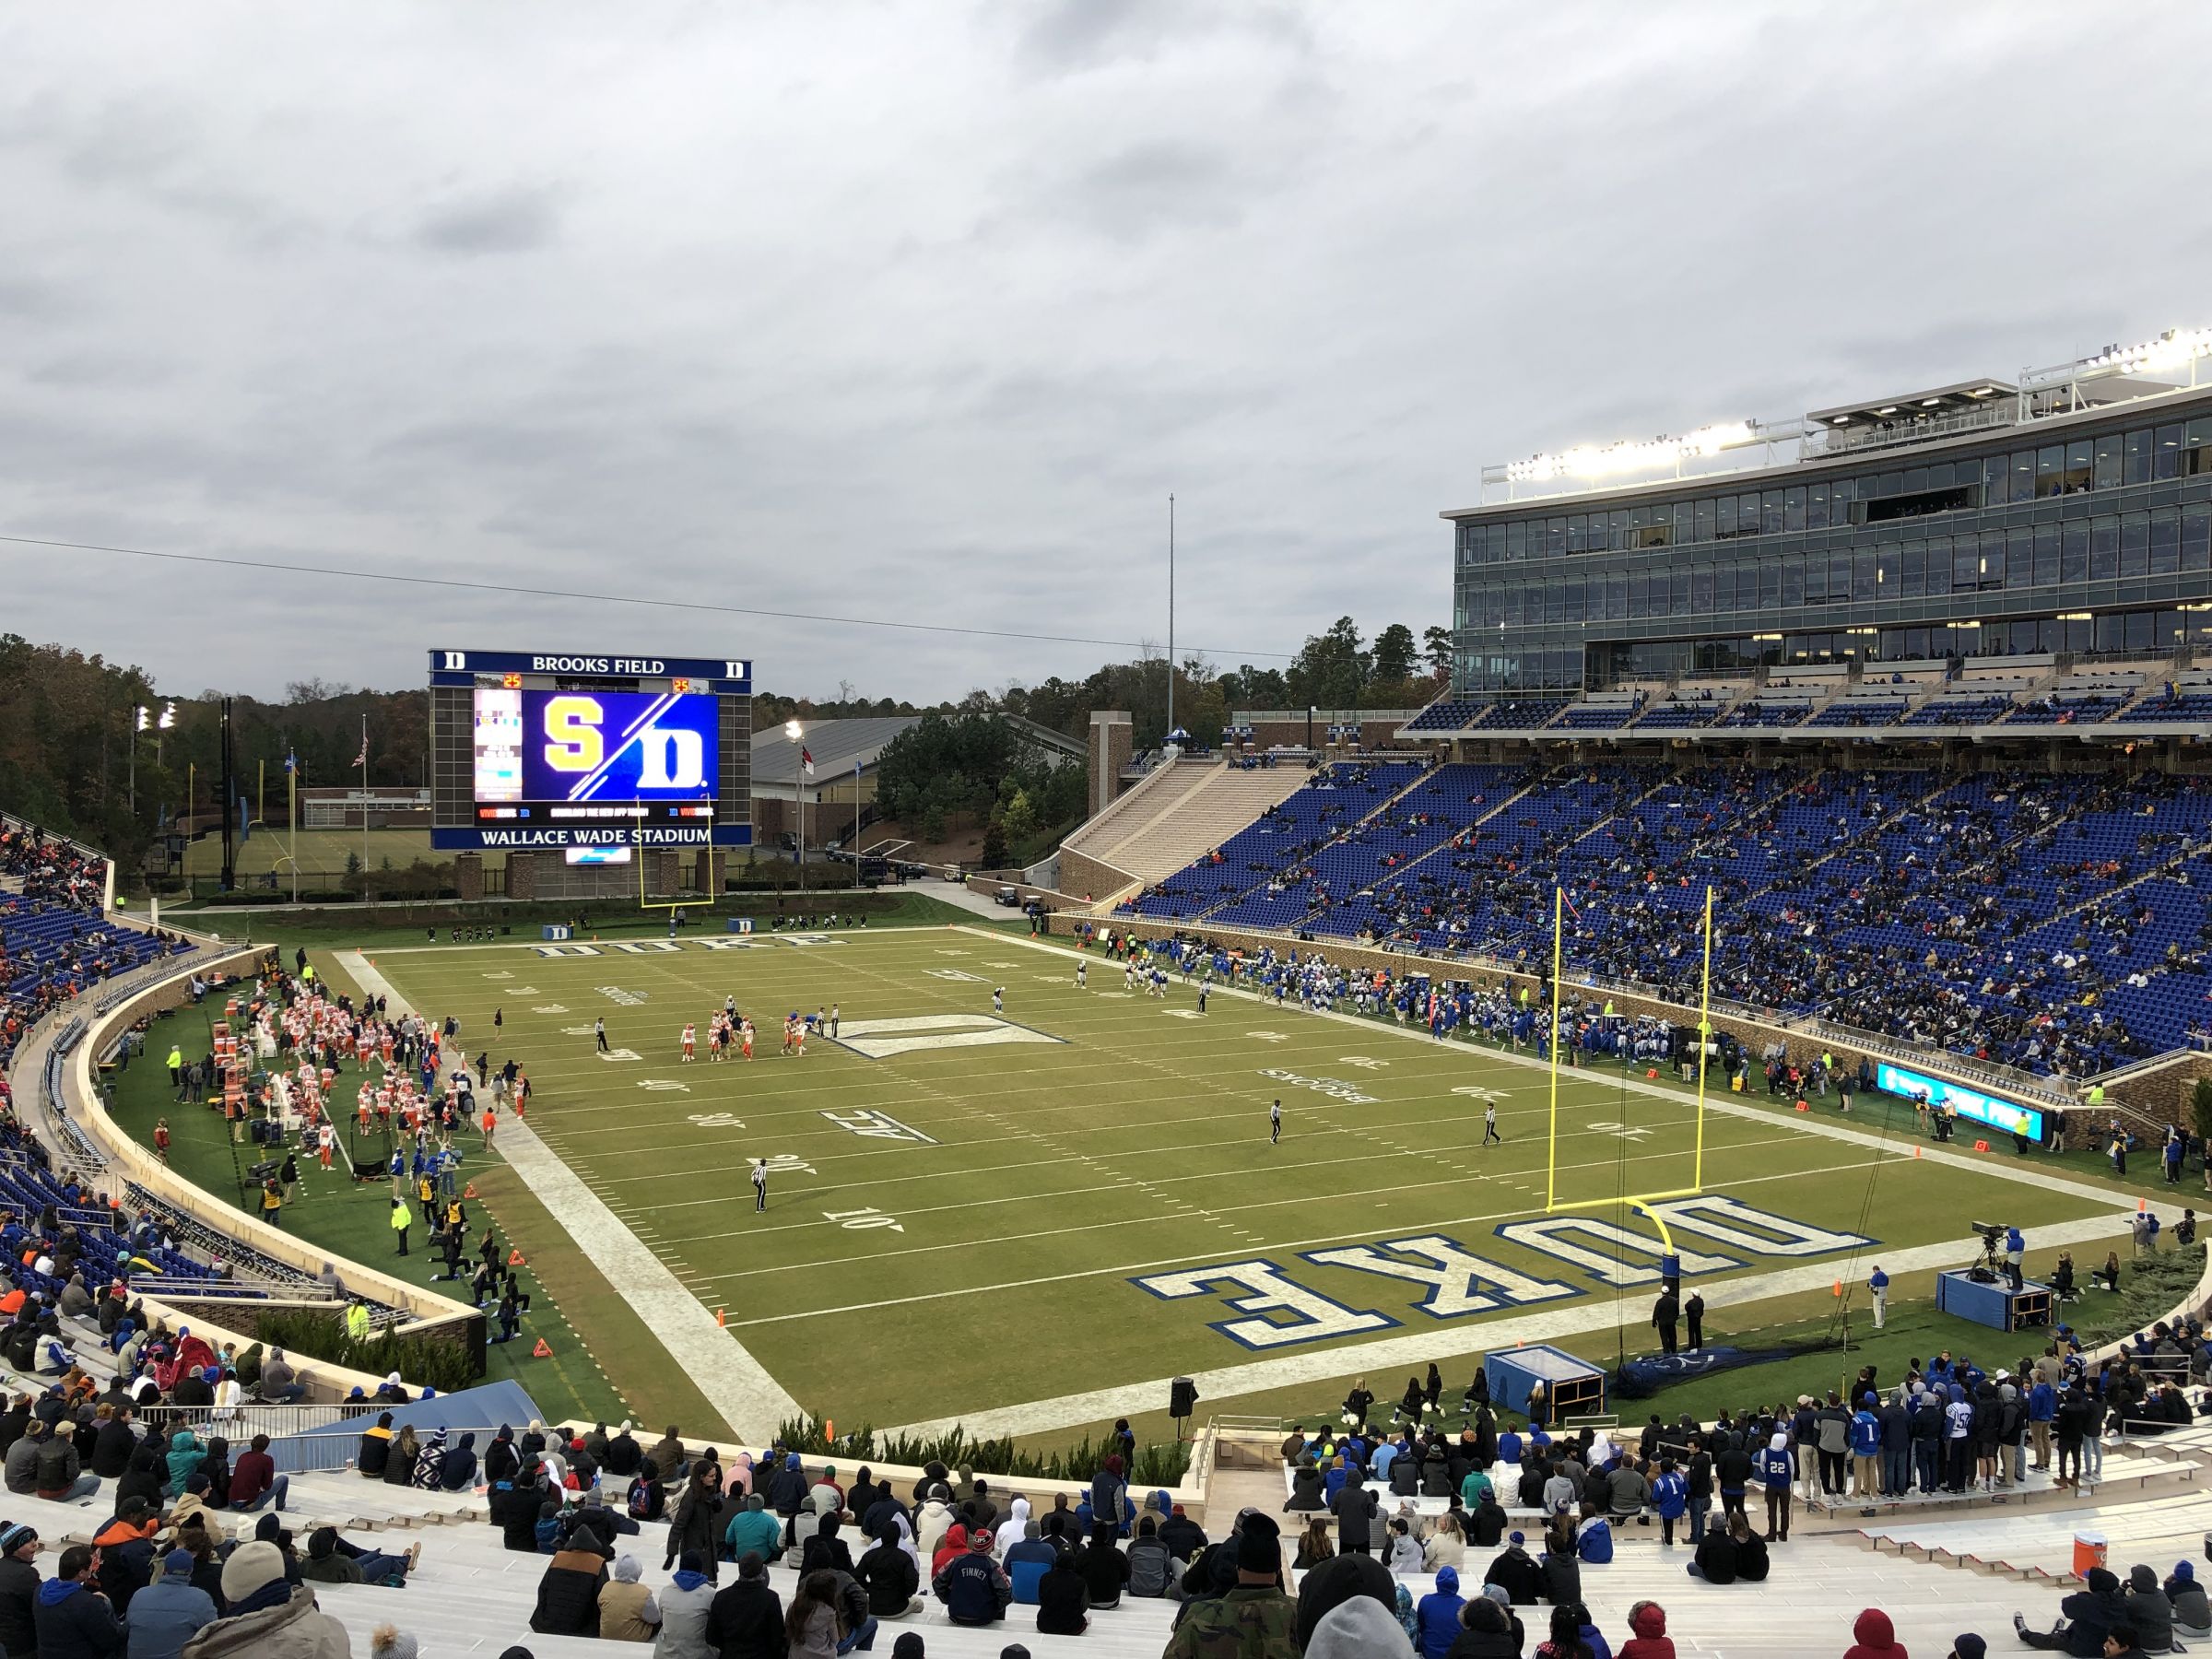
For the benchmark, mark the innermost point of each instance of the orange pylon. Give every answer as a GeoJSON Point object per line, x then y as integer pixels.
{"type": "Point", "coordinates": [514, 1258]}
{"type": "Point", "coordinates": [544, 1351]}
{"type": "Point", "coordinates": [469, 1191]}
{"type": "Point", "coordinates": [720, 1324]}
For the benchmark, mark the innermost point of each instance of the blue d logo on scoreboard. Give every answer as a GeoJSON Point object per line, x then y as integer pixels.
{"type": "Point", "coordinates": [618, 745]}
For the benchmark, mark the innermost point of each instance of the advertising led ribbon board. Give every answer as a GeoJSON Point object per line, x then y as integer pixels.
{"type": "Point", "coordinates": [1969, 1103]}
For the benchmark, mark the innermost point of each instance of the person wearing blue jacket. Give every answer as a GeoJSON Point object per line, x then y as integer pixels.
{"type": "Point", "coordinates": [168, 1612]}
{"type": "Point", "coordinates": [1866, 1452]}
{"type": "Point", "coordinates": [1670, 1497]}
{"type": "Point", "coordinates": [2043, 1411]}
{"type": "Point", "coordinates": [1774, 1467]}
{"type": "Point", "coordinates": [1437, 1615]}
{"type": "Point", "coordinates": [1594, 1544]}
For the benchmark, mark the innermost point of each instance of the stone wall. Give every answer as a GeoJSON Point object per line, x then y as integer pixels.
{"type": "Point", "coordinates": [1084, 878]}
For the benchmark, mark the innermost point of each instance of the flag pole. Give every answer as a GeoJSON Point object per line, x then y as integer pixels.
{"type": "Point", "coordinates": [364, 800]}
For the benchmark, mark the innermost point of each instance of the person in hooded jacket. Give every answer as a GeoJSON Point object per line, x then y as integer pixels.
{"type": "Point", "coordinates": [1486, 1633]}
{"type": "Point", "coordinates": [787, 1496]}
{"type": "Point", "coordinates": [568, 1597]}
{"type": "Point", "coordinates": [1109, 1506]}
{"type": "Point", "coordinates": [18, 1590]}
{"type": "Point", "coordinates": [1872, 1637]}
{"type": "Point", "coordinates": [1648, 1638]}
{"type": "Point", "coordinates": [2191, 1610]}
{"type": "Point", "coordinates": [753, 1531]}
{"type": "Point", "coordinates": [514, 1505]}
{"type": "Point", "coordinates": [692, 1526]}
{"type": "Point", "coordinates": [891, 1578]}
{"type": "Point", "coordinates": [1438, 1615]}
{"type": "Point", "coordinates": [684, 1608]}
{"type": "Point", "coordinates": [972, 1588]}
{"type": "Point", "coordinates": [126, 1553]}
{"type": "Point", "coordinates": [745, 1621]}
{"type": "Point", "coordinates": [825, 1550]}
{"type": "Point", "coordinates": [2086, 1617]}
{"type": "Point", "coordinates": [2148, 1609]}
{"type": "Point", "coordinates": [457, 1469]}
{"type": "Point", "coordinates": [1306, 1494]}
{"type": "Point", "coordinates": [1063, 1601]}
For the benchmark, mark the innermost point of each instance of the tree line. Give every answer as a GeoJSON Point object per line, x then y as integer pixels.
{"type": "Point", "coordinates": [72, 758]}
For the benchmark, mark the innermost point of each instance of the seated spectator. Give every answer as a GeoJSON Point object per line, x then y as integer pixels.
{"type": "Point", "coordinates": [1255, 1616]}
{"type": "Point", "coordinates": [753, 1531]}
{"type": "Point", "coordinates": [376, 1450]}
{"type": "Point", "coordinates": [1715, 1561]}
{"type": "Point", "coordinates": [72, 1617]}
{"type": "Point", "coordinates": [747, 1618]}
{"type": "Point", "coordinates": [264, 1613]}
{"type": "Point", "coordinates": [892, 1577]}
{"type": "Point", "coordinates": [1489, 1632]}
{"type": "Point", "coordinates": [1152, 1571]}
{"type": "Point", "coordinates": [1437, 1615]}
{"type": "Point", "coordinates": [1872, 1637]}
{"type": "Point", "coordinates": [2086, 1617]}
{"type": "Point", "coordinates": [1404, 1556]}
{"type": "Point", "coordinates": [825, 1550]}
{"type": "Point", "coordinates": [1566, 1639]}
{"type": "Point", "coordinates": [1516, 1571]}
{"type": "Point", "coordinates": [255, 1482]}
{"type": "Point", "coordinates": [331, 1559]}
{"type": "Point", "coordinates": [1648, 1638]}
{"type": "Point", "coordinates": [972, 1588]}
{"type": "Point", "coordinates": [168, 1612]}
{"type": "Point", "coordinates": [683, 1606]}
{"type": "Point", "coordinates": [1104, 1567]}
{"type": "Point", "coordinates": [1062, 1600]}
{"type": "Point", "coordinates": [627, 1611]}
{"type": "Point", "coordinates": [2147, 1609]}
{"type": "Point", "coordinates": [2192, 1611]}
{"type": "Point", "coordinates": [568, 1597]}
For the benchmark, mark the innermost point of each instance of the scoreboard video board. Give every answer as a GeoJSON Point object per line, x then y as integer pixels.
{"type": "Point", "coordinates": [576, 750]}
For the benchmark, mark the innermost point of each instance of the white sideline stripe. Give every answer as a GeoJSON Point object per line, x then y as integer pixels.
{"type": "Point", "coordinates": [1479, 1336]}
{"type": "Point", "coordinates": [751, 1403]}
{"type": "Point", "coordinates": [1067, 1411]}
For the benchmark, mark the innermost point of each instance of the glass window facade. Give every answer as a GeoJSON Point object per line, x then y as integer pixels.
{"type": "Point", "coordinates": [1998, 548]}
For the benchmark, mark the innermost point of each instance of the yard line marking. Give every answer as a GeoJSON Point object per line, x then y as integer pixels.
{"type": "Point", "coordinates": [736, 1385]}
{"type": "Point", "coordinates": [1138, 1220]}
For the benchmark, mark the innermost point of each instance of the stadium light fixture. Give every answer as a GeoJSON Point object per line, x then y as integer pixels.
{"type": "Point", "coordinates": [791, 730]}
{"type": "Point", "coordinates": [169, 717]}
{"type": "Point", "coordinates": [2171, 349]}
{"type": "Point", "coordinates": [145, 718]}
{"type": "Point", "coordinates": [1590, 460]}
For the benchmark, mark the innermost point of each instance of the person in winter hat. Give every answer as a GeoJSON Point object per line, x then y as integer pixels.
{"type": "Point", "coordinates": [268, 1616]}
{"type": "Point", "coordinates": [1358, 1629]}
{"type": "Point", "coordinates": [1648, 1640]}
{"type": "Point", "coordinates": [1872, 1637]}
{"type": "Point", "coordinates": [2192, 1610]}
{"type": "Point", "coordinates": [1969, 1646]}
{"type": "Point", "coordinates": [1489, 1632]}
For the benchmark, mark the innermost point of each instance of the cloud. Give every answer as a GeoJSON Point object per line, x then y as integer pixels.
{"type": "Point", "coordinates": [514, 221]}
{"type": "Point", "coordinates": [922, 311]}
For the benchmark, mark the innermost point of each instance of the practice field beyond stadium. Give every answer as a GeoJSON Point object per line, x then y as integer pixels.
{"type": "Point", "coordinates": [1034, 1219]}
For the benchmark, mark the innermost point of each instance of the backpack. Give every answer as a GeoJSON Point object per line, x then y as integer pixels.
{"type": "Point", "coordinates": [641, 1501]}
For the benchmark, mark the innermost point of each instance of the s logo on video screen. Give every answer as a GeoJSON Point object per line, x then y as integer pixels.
{"type": "Point", "coordinates": [618, 745]}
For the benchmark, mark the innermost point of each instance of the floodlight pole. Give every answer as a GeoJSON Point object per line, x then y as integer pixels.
{"type": "Point", "coordinates": [1170, 617]}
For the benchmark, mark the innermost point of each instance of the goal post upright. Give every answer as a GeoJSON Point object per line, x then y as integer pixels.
{"type": "Point", "coordinates": [1551, 1148]}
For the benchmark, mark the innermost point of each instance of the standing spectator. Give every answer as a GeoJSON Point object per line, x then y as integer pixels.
{"type": "Point", "coordinates": [1775, 1469]}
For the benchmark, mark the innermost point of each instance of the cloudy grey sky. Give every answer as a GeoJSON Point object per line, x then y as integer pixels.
{"type": "Point", "coordinates": [921, 311]}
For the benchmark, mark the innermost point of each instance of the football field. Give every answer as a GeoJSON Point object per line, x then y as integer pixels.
{"type": "Point", "coordinates": [1031, 1218]}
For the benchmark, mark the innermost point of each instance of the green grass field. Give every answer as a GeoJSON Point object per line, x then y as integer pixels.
{"type": "Point", "coordinates": [320, 851]}
{"type": "Point", "coordinates": [981, 1218]}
